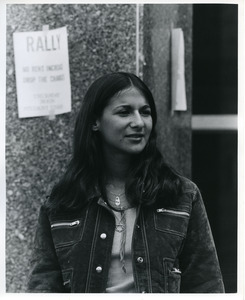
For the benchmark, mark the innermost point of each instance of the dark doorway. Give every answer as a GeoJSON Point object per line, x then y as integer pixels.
{"type": "Point", "coordinates": [214, 163]}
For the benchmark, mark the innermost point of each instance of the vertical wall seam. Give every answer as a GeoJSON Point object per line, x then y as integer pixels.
{"type": "Point", "coordinates": [137, 39]}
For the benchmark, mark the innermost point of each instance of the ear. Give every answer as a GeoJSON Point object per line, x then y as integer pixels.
{"type": "Point", "coordinates": [95, 126]}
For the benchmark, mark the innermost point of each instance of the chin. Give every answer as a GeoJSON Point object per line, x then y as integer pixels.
{"type": "Point", "coordinates": [135, 150]}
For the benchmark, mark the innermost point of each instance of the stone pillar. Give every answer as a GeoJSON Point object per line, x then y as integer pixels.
{"type": "Point", "coordinates": [174, 131]}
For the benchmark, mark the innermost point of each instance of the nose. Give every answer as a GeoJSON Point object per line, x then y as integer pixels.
{"type": "Point", "coordinates": [137, 121]}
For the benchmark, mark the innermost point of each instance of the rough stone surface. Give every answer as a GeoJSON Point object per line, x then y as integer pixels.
{"type": "Point", "coordinates": [101, 39]}
{"type": "Point", "coordinates": [174, 131]}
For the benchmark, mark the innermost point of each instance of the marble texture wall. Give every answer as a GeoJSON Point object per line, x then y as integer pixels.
{"type": "Point", "coordinates": [102, 38]}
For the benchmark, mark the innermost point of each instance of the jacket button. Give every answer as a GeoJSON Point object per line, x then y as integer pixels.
{"type": "Point", "coordinates": [140, 260]}
{"type": "Point", "coordinates": [103, 236]}
{"type": "Point", "coordinates": [99, 269]}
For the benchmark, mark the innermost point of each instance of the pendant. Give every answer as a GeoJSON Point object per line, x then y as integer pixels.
{"type": "Point", "coordinates": [120, 228]}
{"type": "Point", "coordinates": [117, 201]}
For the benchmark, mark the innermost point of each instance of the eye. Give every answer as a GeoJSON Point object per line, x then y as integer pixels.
{"type": "Point", "coordinates": [123, 112]}
{"type": "Point", "coordinates": [146, 111]}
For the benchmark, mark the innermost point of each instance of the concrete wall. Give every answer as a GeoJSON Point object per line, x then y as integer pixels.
{"type": "Point", "coordinates": [102, 38]}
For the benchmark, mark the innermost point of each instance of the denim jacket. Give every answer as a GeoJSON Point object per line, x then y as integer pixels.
{"type": "Point", "coordinates": [172, 249]}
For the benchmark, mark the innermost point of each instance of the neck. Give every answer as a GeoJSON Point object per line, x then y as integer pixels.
{"type": "Point", "coordinates": [117, 168]}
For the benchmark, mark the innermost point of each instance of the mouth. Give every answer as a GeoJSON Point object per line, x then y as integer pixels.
{"type": "Point", "coordinates": [135, 135]}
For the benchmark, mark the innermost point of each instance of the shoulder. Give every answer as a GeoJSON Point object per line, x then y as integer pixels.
{"type": "Point", "coordinates": [54, 213]}
{"type": "Point", "coordinates": [188, 186]}
{"type": "Point", "coordinates": [187, 195]}
{"type": "Point", "coordinates": [189, 191]}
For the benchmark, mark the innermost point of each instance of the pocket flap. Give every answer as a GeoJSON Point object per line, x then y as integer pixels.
{"type": "Point", "coordinates": [171, 222]}
{"type": "Point", "coordinates": [66, 232]}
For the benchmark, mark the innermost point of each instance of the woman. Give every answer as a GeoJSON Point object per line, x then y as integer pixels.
{"type": "Point", "coordinates": [121, 220]}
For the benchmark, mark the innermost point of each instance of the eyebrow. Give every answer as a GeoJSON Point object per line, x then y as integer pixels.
{"type": "Point", "coordinates": [129, 106]}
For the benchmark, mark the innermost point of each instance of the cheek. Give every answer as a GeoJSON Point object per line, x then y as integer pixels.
{"type": "Point", "coordinates": [149, 125]}
{"type": "Point", "coordinates": [111, 131]}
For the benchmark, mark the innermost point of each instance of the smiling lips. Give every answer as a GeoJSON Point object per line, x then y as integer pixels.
{"type": "Point", "coordinates": [135, 135]}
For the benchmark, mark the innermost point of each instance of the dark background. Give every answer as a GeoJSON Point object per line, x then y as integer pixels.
{"type": "Point", "coordinates": [214, 153]}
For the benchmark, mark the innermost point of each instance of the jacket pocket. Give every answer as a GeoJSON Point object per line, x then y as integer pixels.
{"type": "Point", "coordinates": [67, 232]}
{"type": "Point", "coordinates": [67, 280]}
{"type": "Point", "coordinates": [172, 276]}
{"type": "Point", "coordinates": [171, 221]}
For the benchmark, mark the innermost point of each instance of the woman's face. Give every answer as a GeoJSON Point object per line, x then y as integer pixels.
{"type": "Point", "coordinates": [126, 123]}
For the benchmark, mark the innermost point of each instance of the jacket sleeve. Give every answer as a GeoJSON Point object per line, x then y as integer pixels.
{"type": "Point", "coordinates": [198, 260]}
{"type": "Point", "coordinates": [45, 274]}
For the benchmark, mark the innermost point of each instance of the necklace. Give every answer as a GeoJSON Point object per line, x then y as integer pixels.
{"type": "Point", "coordinates": [121, 224]}
{"type": "Point", "coordinates": [125, 206]}
{"type": "Point", "coordinates": [121, 228]}
{"type": "Point", "coordinates": [117, 199]}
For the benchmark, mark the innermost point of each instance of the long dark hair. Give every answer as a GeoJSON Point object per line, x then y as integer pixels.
{"type": "Point", "coordinates": [150, 178]}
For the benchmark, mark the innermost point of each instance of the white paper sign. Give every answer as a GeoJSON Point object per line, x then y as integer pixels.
{"type": "Point", "coordinates": [42, 72]}
{"type": "Point", "coordinates": [178, 71]}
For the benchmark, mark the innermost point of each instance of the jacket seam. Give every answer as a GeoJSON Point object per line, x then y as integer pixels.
{"type": "Point", "coordinates": [136, 280]}
{"type": "Point", "coordinates": [147, 254]}
{"type": "Point", "coordinates": [92, 251]}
